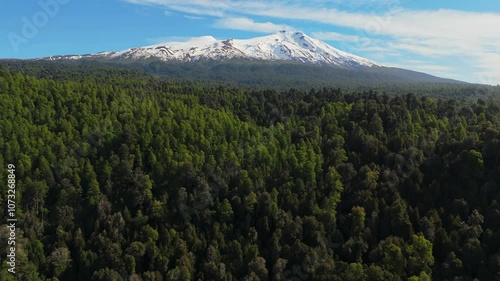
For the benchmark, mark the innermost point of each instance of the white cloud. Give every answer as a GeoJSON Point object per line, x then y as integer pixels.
{"type": "Point", "coordinates": [489, 64]}
{"type": "Point", "coordinates": [196, 7]}
{"type": "Point", "coordinates": [250, 25]}
{"type": "Point", "coordinates": [334, 36]}
{"type": "Point", "coordinates": [444, 70]}
{"type": "Point", "coordinates": [193, 17]}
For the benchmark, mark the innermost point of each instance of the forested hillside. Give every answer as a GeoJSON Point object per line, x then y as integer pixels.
{"type": "Point", "coordinates": [280, 76]}
{"type": "Point", "coordinates": [128, 177]}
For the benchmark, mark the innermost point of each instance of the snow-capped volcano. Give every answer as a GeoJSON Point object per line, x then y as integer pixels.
{"type": "Point", "coordinates": [283, 45]}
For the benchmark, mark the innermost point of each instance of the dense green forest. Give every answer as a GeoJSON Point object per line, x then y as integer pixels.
{"type": "Point", "coordinates": [123, 176]}
{"type": "Point", "coordinates": [279, 76]}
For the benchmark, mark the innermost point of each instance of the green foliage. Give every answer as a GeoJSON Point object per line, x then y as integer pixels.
{"type": "Point", "coordinates": [420, 255]}
{"type": "Point", "coordinates": [124, 176]}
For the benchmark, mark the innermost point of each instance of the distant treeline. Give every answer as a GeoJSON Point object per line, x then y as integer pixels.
{"type": "Point", "coordinates": [260, 75]}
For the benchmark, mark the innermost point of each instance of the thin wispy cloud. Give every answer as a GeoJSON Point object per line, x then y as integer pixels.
{"type": "Point", "coordinates": [334, 36]}
{"type": "Point", "coordinates": [193, 17]}
{"type": "Point", "coordinates": [430, 67]}
{"type": "Point", "coordinates": [250, 25]}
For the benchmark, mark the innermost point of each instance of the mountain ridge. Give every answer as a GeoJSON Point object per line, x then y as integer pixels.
{"type": "Point", "coordinates": [285, 57]}
{"type": "Point", "coordinates": [280, 46]}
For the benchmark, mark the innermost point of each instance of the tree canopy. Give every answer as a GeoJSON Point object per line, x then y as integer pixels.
{"type": "Point", "coordinates": [133, 177]}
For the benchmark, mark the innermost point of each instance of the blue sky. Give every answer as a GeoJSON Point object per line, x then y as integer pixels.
{"type": "Point", "coordinates": [455, 39]}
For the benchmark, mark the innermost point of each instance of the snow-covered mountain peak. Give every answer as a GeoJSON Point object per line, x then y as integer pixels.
{"type": "Point", "coordinates": [282, 45]}
{"type": "Point", "coordinates": [286, 35]}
